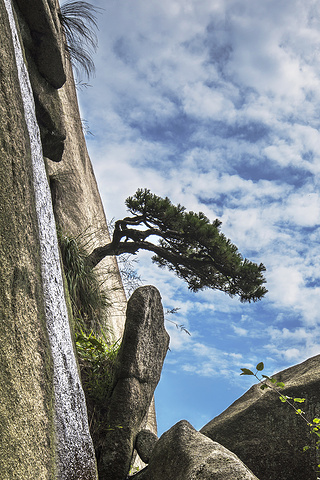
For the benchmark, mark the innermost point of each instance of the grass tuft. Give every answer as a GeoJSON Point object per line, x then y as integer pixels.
{"type": "Point", "coordinates": [89, 300]}
{"type": "Point", "coordinates": [79, 23]}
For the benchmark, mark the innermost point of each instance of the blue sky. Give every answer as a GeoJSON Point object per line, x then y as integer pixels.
{"type": "Point", "coordinates": [216, 104]}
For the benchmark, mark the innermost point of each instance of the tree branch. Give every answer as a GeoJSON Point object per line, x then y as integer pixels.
{"type": "Point", "coordinates": [188, 244]}
{"type": "Point", "coordinates": [132, 248]}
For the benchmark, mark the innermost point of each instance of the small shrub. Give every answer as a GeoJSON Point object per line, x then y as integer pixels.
{"type": "Point", "coordinates": [96, 354]}
{"type": "Point", "coordinates": [97, 362]}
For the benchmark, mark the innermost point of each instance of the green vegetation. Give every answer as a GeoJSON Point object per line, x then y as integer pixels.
{"type": "Point", "coordinates": [97, 361]}
{"type": "Point", "coordinates": [96, 353]}
{"type": "Point", "coordinates": [189, 245]}
{"type": "Point", "coordinates": [274, 385]}
{"type": "Point", "coordinates": [96, 358]}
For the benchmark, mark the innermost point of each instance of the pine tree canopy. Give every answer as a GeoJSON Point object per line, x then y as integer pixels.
{"type": "Point", "coordinates": [188, 244]}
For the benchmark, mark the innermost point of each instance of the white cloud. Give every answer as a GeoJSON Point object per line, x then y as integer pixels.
{"type": "Point", "coordinates": [204, 102]}
{"type": "Point", "coordinates": [241, 332]}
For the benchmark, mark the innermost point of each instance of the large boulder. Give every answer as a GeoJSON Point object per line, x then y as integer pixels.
{"type": "Point", "coordinates": [139, 364]}
{"type": "Point", "coordinates": [182, 453]}
{"type": "Point", "coordinates": [267, 434]}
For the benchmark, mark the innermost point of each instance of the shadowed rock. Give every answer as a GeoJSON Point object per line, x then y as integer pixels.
{"type": "Point", "coordinates": [182, 453]}
{"type": "Point", "coordinates": [267, 434]}
{"type": "Point", "coordinates": [48, 104]}
{"type": "Point", "coordinates": [47, 41]}
{"type": "Point", "coordinates": [145, 443]}
{"type": "Point", "coordinates": [139, 364]}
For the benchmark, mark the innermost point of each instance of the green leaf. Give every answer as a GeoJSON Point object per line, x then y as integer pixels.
{"type": "Point", "coordinates": [316, 420]}
{"type": "Point", "coordinates": [305, 448]}
{"type": "Point", "coordinates": [283, 399]}
{"type": "Point", "coordinates": [299, 400]}
{"type": "Point", "coordinates": [280, 384]}
{"type": "Point", "coordinates": [246, 371]}
{"type": "Point", "coordinates": [264, 386]}
{"type": "Point", "coordinates": [266, 376]}
{"type": "Point", "coordinates": [273, 380]}
{"type": "Point", "coordinates": [299, 411]}
{"type": "Point", "coordinates": [96, 343]}
{"type": "Point", "coordinates": [260, 366]}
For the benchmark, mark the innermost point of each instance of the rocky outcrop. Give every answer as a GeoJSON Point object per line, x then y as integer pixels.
{"type": "Point", "coordinates": [266, 434]}
{"type": "Point", "coordinates": [47, 39]}
{"type": "Point", "coordinates": [47, 101]}
{"type": "Point", "coordinates": [182, 453]}
{"type": "Point", "coordinates": [139, 364]}
{"type": "Point", "coordinates": [145, 443]}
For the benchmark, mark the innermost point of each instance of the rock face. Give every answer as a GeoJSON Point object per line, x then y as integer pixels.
{"type": "Point", "coordinates": [145, 443]}
{"type": "Point", "coordinates": [47, 100]}
{"type": "Point", "coordinates": [182, 453]}
{"type": "Point", "coordinates": [47, 40]}
{"type": "Point", "coordinates": [266, 434]}
{"type": "Point", "coordinates": [77, 204]}
{"type": "Point", "coordinates": [139, 364]}
{"type": "Point", "coordinates": [32, 425]}
{"type": "Point", "coordinates": [27, 446]}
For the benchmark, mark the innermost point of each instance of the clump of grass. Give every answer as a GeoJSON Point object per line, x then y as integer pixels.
{"type": "Point", "coordinates": [89, 300]}
{"type": "Point", "coordinates": [97, 361]}
{"type": "Point", "coordinates": [79, 23]}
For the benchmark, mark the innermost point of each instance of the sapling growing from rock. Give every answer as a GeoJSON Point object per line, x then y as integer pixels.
{"type": "Point", "coordinates": [272, 383]}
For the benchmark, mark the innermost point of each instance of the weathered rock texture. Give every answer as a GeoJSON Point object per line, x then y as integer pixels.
{"type": "Point", "coordinates": [266, 434]}
{"type": "Point", "coordinates": [149, 423]}
{"type": "Point", "coordinates": [182, 453]}
{"type": "Point", "coordinates": [27, 448]}
{"type": "Point", "coordinates": [145, 443]}
{"type": "Point", "coordinates": [77, 203]}
{"type": "Point", "coordinates": [140, 359]}
{"type": "Point", "coordinates": [32, 425]}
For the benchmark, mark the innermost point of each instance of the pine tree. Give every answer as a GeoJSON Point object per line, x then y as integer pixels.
{"type": "Point", "coordinates": [189, 245]}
